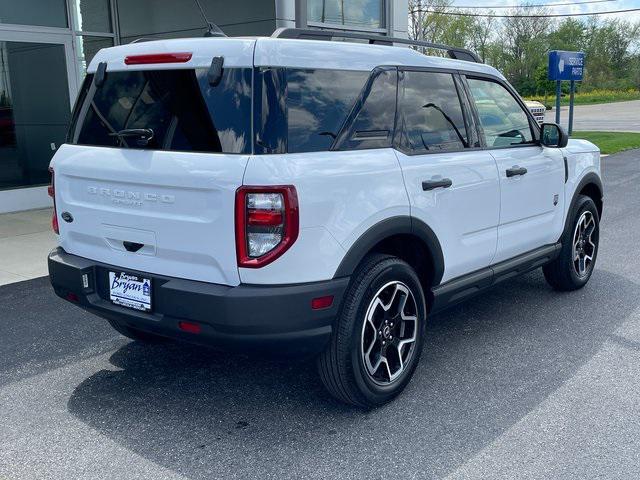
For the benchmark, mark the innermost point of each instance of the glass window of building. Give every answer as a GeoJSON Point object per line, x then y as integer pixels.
{"type": "Point", "coordinates": [44, 13]}
{"type": "Point", "coordinates": [93, 23]}
{"type": "Point", "coordinates": [92, 16]}
{"type": "Point", "coordinates": [88, 46]}
{"type": "Point", "coordinates": [353, 13]}
{"type": "Point", "coordinates": [182, 18]}
{"type": "Point", "coordinates": [33, 117]}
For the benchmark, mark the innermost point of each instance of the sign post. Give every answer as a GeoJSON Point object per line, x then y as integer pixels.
{"type": "Point", "coordinates": [571, 95]}
{"type": "Point", "coordinates": [566, 66]}
{"type": "Point", "coordinates": [558, 95]}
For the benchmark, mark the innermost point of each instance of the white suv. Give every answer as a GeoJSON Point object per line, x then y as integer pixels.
{"type": "Point", "coordinates": [310, 197]}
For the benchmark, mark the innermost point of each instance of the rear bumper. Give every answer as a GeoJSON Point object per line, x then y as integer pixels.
{"type": "Point", "coordinates": [243, 318]}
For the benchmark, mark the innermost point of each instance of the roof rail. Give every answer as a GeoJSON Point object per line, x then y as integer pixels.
{"type": "Point", "coordinates": [313, 34]}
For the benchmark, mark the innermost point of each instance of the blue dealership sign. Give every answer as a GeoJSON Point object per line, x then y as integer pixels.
{"type": "Point", "coordinates": [566, 65]}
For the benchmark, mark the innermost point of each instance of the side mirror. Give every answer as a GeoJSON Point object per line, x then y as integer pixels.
{"type": "Point", "coordinates": [553, 135]}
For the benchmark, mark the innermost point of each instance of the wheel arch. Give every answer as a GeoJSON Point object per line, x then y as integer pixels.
{"type": "Point", "coordinates": [403, 236]}
{"type": "Point", "coordinates": [591, 186]}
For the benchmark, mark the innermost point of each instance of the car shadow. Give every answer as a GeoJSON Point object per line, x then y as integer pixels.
{"type": "Point", "coordinates": [485, 365]}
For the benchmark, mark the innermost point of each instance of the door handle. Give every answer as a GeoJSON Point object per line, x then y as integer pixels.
{"type": "Point", "coordinates": [516, 170]}
{"type": "Point", "coordinates": [440, 183]}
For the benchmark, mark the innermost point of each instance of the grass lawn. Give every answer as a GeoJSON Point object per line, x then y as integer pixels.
{"type": "Point", "coordinates": [611, 142]}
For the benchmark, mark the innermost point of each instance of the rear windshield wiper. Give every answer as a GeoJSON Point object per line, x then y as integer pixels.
{"type": "Point", "coordinates": [142, 135]}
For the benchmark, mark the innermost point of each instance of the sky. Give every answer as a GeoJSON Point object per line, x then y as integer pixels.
{"type": "Point", "coordinates": [569, 6]}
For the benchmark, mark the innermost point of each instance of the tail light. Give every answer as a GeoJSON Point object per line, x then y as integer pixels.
{"type": "Point", "coordinates": [267, 223]}
{"type": "Point", "coordinates": [51, 190]}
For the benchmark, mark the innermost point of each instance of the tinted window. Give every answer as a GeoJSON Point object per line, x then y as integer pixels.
{"type": "Point", "coordinates": [182, 109]}
{"type": "Point", "coordinates": [503, 120]}
{"type": "Point", "coordinates": [430, 116]}
{"type": "Point", "coordinates": [318, 102]}
{"type": "Point", "coordinates": [270, 111]}
{"type": "Point", "coordinates": [375, 114]}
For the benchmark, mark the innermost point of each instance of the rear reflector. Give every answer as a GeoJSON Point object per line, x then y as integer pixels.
{"type": "Point", "coordinates": [51, 190]}
{"type": "Point", "coordinates": [189, 327]}
{"type": "Point", "coordinates": [72, 297]}
{"type": "Point", "coordinates": [157, 58]}
{"type": "Point", "coordinates": [322, 302]}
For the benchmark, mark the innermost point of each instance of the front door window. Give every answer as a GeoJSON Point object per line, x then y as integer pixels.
{"type": "Point", "coordinates": [503, 120]}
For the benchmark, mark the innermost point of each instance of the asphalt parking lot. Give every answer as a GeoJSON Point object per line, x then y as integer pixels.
{"type": "Point", "coordinates": [522, 382]}
{"type": "Point", "coordinates": [606, 117]}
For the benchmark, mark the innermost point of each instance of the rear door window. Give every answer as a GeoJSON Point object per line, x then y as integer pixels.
{"type": "Point", "coordinates": [430, 115]}
{"type": "Point", "coordinates": [180, 107]}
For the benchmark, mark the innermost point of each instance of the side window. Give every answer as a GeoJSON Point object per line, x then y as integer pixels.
{"type": "Point", "coordinates": [318, 103]}
{"type": "Point", "coordinates": [270, 117]}
{"type": "Point", "coordinates": [374, 114]}
{"type": "Point", "coordinates": [503, 120]}
{"type": "Point", "coordinates": [430, 116]}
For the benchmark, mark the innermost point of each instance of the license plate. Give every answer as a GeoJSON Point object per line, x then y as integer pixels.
{"type": "Point", "coordinates": [130, 291]}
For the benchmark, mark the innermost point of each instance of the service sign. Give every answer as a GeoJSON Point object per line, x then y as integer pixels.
{"type": "Point", "coordinates": [566, 65]}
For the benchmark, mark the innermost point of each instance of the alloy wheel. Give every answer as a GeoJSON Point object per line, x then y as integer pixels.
{"type": "Point", "coordinates": [389, 333]}
{"type": "Point", "coordinates": [584, 247]}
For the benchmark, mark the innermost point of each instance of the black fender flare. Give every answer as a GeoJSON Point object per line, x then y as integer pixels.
{"type": "Point", "coordinates": [589, 178]}
{"type": "Point", "coordinates": [387, 228]}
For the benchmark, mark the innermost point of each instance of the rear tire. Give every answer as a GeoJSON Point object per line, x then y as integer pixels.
{"type": "Point", "coordinates": [378, 336]}
{"type": "Point", "coordinates": [137, 335]}
{"type": "Point", "coordinates": [574, 266]}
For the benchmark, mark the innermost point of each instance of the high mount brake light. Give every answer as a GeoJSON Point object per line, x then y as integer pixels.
{"type": "Point", "coordinates": [51, 190]}
{"type": "Point", "coordinates": [147, 59]}
{"type": "Point", "coordinates": [267, 223]}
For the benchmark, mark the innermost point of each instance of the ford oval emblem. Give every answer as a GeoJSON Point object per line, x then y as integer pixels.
{"type": "Point", "coordinates": [67, 217]}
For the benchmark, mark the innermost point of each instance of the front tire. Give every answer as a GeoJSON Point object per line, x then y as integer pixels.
{"type": "Point", "coordinates": [574, 266]}
{"type": "Point", "coordinates": [378, 336]}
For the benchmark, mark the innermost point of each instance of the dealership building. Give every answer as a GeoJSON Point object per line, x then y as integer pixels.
{"type": "Point", "coordinates": [46, 45]}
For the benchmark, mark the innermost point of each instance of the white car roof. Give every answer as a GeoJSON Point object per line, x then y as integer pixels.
{"type": "Point", "coordinates": [279, 52]}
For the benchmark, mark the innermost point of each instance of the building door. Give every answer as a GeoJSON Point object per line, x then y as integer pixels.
{"type": "Point", "coordinates": [37, 87]}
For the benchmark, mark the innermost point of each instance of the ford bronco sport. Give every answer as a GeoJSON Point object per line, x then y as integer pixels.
{"type": "Point", "coordinates": [310, 197]}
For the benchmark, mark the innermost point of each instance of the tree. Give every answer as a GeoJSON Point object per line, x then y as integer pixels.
{"type": "Point", "coordinates": [519, 46]}
{"type": "Point", "coordinates": [481, 34]}
{"type": "Point", "coordinates": [525, 39]}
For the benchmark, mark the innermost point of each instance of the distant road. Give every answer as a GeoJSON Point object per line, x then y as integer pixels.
{"type": "Point", "coordinates": [607, 117]}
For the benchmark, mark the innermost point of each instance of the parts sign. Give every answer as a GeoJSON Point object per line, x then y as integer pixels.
{"type": "Point", "coordinates": [566, 65]}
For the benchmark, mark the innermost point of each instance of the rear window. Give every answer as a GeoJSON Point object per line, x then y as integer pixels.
{"type": "Point", "coordinates": [180, 107]}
